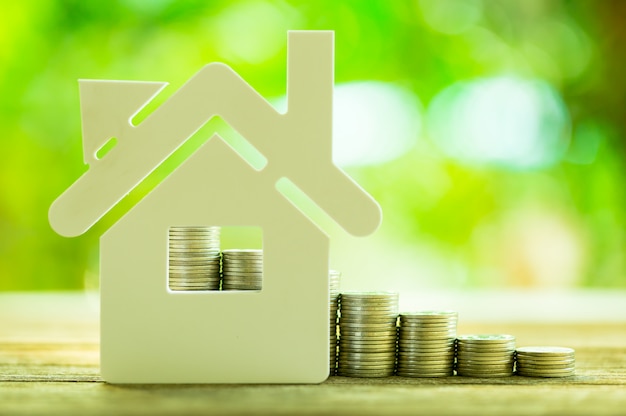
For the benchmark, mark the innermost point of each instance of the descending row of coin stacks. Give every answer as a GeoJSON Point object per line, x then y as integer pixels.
{"type": "Point", "coordinates": [485, 355]}
{"type": "Point", "coordinates": [242, 269]}
{"type": "Point", "coordinates": [367, 334]}
{"type": "Point", "coordinates": [426, 344]}
{"type": "Point", "coordinates": [334, 281]}
{"type": "Point", "coordinates": [545, 361]}
{"type": "Point", "coordinates": [194, 258]}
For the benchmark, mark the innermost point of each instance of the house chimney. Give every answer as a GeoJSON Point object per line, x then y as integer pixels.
{"type": "Point", "coordinates": [310, 79]}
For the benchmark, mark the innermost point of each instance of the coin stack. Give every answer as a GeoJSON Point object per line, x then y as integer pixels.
{"type": "Point", "coordinates": [242, 269]}
{"type": "Point", "coordinates": [485, 355]}
{"type": "Point", "coordinates": [367, 334]}
{"type": "Point", "coordinates": [545, 361]}
{"type": "Point", "coordinates": [426, 343]}
{"type": "Point", "coordinates": [334, 279]}
{"type": "Point", "coordinates": [194, 258]}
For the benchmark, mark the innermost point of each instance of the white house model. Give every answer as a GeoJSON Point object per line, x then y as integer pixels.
{"type": "Point", "coordinates": [151, 334]}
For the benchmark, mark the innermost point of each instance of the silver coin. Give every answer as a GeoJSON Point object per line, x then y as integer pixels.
{"type": "Point", "coordinates": [355, 347]}
{"type": "Point", "coordinates": [487, 338]}
{"type": "Point", "coordinates": [207, 267]}
{"type": "Point", "coordinates": [546, 370]}
{"type": "Point", "coordinates": [447, 367]}
{"type": "Point", "coordinates": [242, 279]}
{"type": "Point", "coordinates": [429, 335]}
{"type": "Point", "coordinates": [544, 351]}
{"type": "Point", "coordinates": [190, 242]}
{"type": "Point", "coordinates": [193, 281]}
{"type": "Point", "coordinates": [358, 356]}
{"type": "Point", "coordinates": [363, 374]}
{"type": "Point", "coordinates": [367, 331]}
{"type": "Point", "coordinates": [255, 286]}
{"type": "Point", "coordinates": [368, 318]}
{"type": "Point", "coordinates": [368, 365]}
{"type": "Point", "coordinates": [487, 349]}
{"type": "Point", "coordinates": [546, 367]}
{"type": "Point", "coordinates": [370, 340]}
{"type": "Point", "coordinates": [366, 350]}
{"type": "Point", "coordinates": [538, 363]}
{"type": "Point", "coordinates": [485, 369]}
{"type": "Point", "coordinates": [242, 269]}
{"type": "Point", "coordinates": [425, 374]}
{"type": "Point", "coordinates": [193, 267]}
{"type": "Point", "coordinates": [418, 359]}
{"type": "Point", "coordinates": [366, 334]}
{"type": "Point", "coordinates": [192, 287]}
{"type": "Point", "coordinates": [250, 261]}
{"type": "Point", "coordinates": [408, 326]}
{"type": "Point", "coordinates": [347, 346]}
{"type": "Point", "coordinates": [193, 274]}
{"type": "Point", "coordinates": [409, 357]}
{"type": "Point", "coordinates": [547, 375]}
{"type": "Point", "coordinates": [479, 361]}
{"type": "Point", "coordinates": [483, 375]}
{"type": "Point", "coordinates": [426, 315]}
{"type": "Point", "coordinates": [425, 346]}
{"type": "Point", "coordinates": [420, 354]}
{"type": "Point", "coordinates": [421, 329]}
{"type": "Point", "coordinates": [195, 263]}
{"type": "Point", "coordinates": [370, 295]}
{"type": "Point", "coordinates": [390, 311]}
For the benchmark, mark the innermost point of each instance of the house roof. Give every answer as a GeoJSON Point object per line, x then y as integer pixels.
{"type": "Point", "coordinates": [297, 144]}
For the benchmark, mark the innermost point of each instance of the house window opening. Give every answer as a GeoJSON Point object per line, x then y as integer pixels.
{"type": "Point", "coordinates": [212, 258]}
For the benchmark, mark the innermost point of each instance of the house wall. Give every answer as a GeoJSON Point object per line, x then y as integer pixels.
{"type": "Point", "coordinates": [152, 335]}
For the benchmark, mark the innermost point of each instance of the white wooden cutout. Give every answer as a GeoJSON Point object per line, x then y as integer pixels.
{"type": "Point", "coordinates": [150, 334]}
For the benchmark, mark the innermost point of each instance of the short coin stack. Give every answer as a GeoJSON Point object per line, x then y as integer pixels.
{"type": "Point", "coordinates": [545, 361]}
{"type": "Point", "coordinates": [367, 334]}
{"type": "Point", "coordinates": [426, 344]}
{"type": "Point", "coordinates": [485, 355]}
{"type": "Point", "coordinates": [242, 269]}
{"type": "Point", "coordinates": [194, 258]}
{"type": "Point", "coordinates": [334, 279]}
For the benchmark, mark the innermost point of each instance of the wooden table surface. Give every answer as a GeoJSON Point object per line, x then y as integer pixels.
{"type": "Point", "coordinates": [49, 366]}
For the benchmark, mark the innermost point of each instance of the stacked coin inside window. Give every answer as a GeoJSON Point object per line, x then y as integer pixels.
{"type": "Point", "coordinates": [334, 280]}
{"type": "Point", "coordinates": [426, 343]}
{"type": "Point", "coordinates": [367, 334]}
{"type": "Point", "coordinates": [242, 269]}
{"type": "Point", "coordinates": [485, 355]}
{"type": "Point", "coordinates": [194, 258]}
{"type": "Point", "coordinates": [545, 361]}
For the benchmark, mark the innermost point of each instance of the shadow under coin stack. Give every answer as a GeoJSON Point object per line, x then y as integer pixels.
{"type": "Point", "coordinates": [194, 258]}
{"type": "Point", "coordinates": [426, 344]}
{"type": "Point", "coordinates": [367, 334]}
{"type": "Point", "coordinates": [242, 269]}
{"type": "Point", "coordinates": [334, 279]}
{"type": "Point", "coordinates": [485, 355]}
{"type": "Point", "coordinates": [545, 361]}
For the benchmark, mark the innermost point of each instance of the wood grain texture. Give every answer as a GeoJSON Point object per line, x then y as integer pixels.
{"type": "Point", "coordinates": [49, 366]}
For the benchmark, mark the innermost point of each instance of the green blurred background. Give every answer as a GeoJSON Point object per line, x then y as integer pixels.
{"type": "Point", "coordinates": [491, 132]}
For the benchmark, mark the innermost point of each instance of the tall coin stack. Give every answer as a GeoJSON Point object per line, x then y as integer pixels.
{"type": "Point", "coordinates": [545, 361]}
{"type": "Point", "coordinates": [334, 279]}
{"type": "Point", "coordinates": [426, 344]}
{"type": "Point", "coordinates": [485, 355]}
{"type": "Point", "coordinates": [367, 334]}
{"type": "Point", "coordinates": [194, 258]}
{"type": "Point", "coordinates": [242, 269]}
